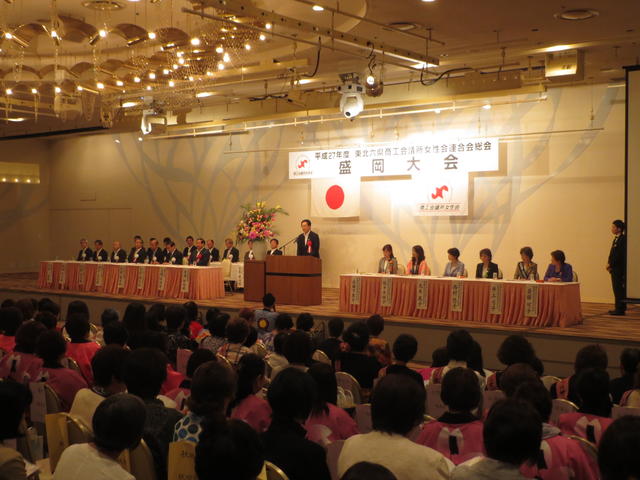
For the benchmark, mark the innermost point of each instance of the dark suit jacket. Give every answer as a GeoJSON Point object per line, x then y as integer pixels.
{"type": "Point", "coordinates": [119, 257]}
{"type": "Point", "coordinates": [234, 252]}
{"type": "Point", "coordinates": [315, 245]}
{"type": "Point", "coordinates": [159, 254]}
{"type": "Point", "coordinates": [142, 254]}
{"type": "Point", "coordinates": [274, 252]}
{"type": "Point", "coordinates": [493, 268]}
{"type": "Point", "coordinates": [186, 251]}
{"type": "Point", "coordinates": [246, 256]}
{"type": "Point", "coordinates": [204, 258]}
{"type": "Point", "coordinates": [618, 255]}
{"type": "Point", "coordinates": [174, 258]}
{"type": "Point", "coordinates": [104, 256]}
{"type": "Point", "coordinates": [88, 255]}
{"type": "Point", "coordinates": [214, 254]}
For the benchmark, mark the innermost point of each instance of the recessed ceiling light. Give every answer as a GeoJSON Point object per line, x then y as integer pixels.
{"type": "Point", "coordinates": [119, 83]}
{"type": "Point", "coordinates": [226, 58]}
{"type": "Point", "coordinates": [117, 141]}
{"type": "Point", "coordinates": [100, 85]}
{"type": "Point", "coordinates": [28, 180]}
{"type": "Point", "coordinates": [57, 89]}
{"type": "Point", "coordinates": [172, 83]}
{"type": "Point", "coordinates": [262, 37]}
{"type": "Point", "coordinates": [136, 79]}
{"type": "Point", "coordinates": [195, 41]}
{"type": "Point", "coordinates": [268, 26]}
{"type": "Point", "coordinates": [219, 49]}
{"type": "Point", "coordinates": [16, 180]}
{"type": "Point", "coordinates": [16, 119]}
{"type": "Point", "coordinates": [8, 91]}
{"type": "Point", "coordinates": [317, 8]}
{"type": "Point", "coordinates": [181, 61]}
{"type": "Point", "coordinates": [4, 179]}
{"type": "Point", "coordinates": [149, 87]}
{"type": "Point", "coordinates": [165, 71]}
{"type": "Point", "coordinates": [175, 66]}
{"type": "Point", "coordinates": [428, 1]}
{"type": "Point", "coordinates": [102, 32]}
{"type": "Point", "coordinates": [577, 14]}
{"type": "Point", "coordinates": [487, 106]}
{"type": "Point", "coordinates": [203, 94]}
{"type": "Point", "coordinates": [129, 104]}
{"type": "Point", "coordinates": [221, 66]}
{"type": "Point", "coordinates": [558, 48]}
{"type": "Point", "coordinates": [152, 75]}
{"type": "Point", "coordinates": [247, 46]}
{"type": "Point", "coordinates": [34, 91]}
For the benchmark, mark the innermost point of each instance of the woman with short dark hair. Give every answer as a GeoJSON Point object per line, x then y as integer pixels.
{"type": "Point", "coordinates": [247, 405]}
{"type": "Point", "coordinates": [558, 270]}
{"type": "Point", "coordinates": [526, 269]}
{"type": "Point", "coordinates": [486, 268]}
{"type": "Point", "coordinates": [455, 268]}
{"type": "Point", "coordinates": [15, 399]}
{"type": "Point", "coordinates": [388, 263]}
{"type": "Point", "coordinates": [418, 263]}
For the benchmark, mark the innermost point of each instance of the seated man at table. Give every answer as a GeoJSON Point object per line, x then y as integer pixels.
{"type": "Point", "coordinates": [200, 257]}
{"type": "Point", "coordinates": [214, 253]}
{"type": "Point", "coordinates": [118, 255]}
{"type": "Point", "coordinates": [231, 252]}
{"type": "Point", "coordinates": [137, 253]}
{"type": "Point", "coordinates": [190, 248]}
{"type": "Point", "coordinates": [166, 241]}
{"type": "Point", "coordinates": [85, 254]}
{"type": "Point", "coordinates": [100, 255]}
{"type": "Point", "coordinates": [174, 257]}
{"type": "Point", "coordinates": [274, 250]}
{"type": "Point", "coordinates": [154, 254]}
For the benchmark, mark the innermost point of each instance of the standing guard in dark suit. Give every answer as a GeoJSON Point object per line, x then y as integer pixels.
{"type": "Point", "coordinates": [85, 254]}
{"type": "Point", "coordinates": [200, 257]}
{"type": "Point", "coordinates": [137, 254]}
{"type": "Point", "coordinates": [190, 248]}
{"type": "Point", "coordinates": [214, 253]}
{"type": "Point", "coordinates": [118, 255]}
{"type": "Point", "coordinates": [100, 255]}
{"type": "Point", "coordinates": [617, 267]}
{"type": "Point", "coordinates": [155, 254]}
{"type": "Point", "coordinates": [231, 252]}
{"type": "Point", "coordinates": [308, 242]}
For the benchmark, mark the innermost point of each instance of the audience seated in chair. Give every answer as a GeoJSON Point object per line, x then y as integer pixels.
{"type": "Point", "coordinates": [397, 407]}
{"type": "Point", "coordinates": [356, 361]}
{"type": "Point", "coordinates": [176, 316]}
{"type": "Point", "coordinates": [618, 450]}
{"type": "Point", "coordinates": [107, 366]}
{"type": "Point", "coordinates": [118, 425]}
{"type": "Point", "coordinates": [193, 325]}
{"type": "Point", "coordinates": [229, 449]}
{"type": "Point", "coordinates": [22, 365]}
{"type": "Point", "coordinates": [378, 347]}
{"type": "Point", "coordinates": [116, 334]}
{"type": "Point", "coordinates": [591, 356]}
{"type": "Point", "coordinates": [15, 399]}
{"type": "Point", "coordinates": [593, 417]}
{"type": "Point", "coordinates": [10, 321]}
{"type": "Point", "coordinates": [297, 349]}
{"type": "Point", "coordinates": [237, 332]}
{"type": "Point", "coordinates": [331, 346]}
{"type": "Point", "coordinates": [276, 359]}
{"type": "Point", "coordinates": [404, 349]}
{"type": "Point", "coordinates": [439, 358]}
{"type": "Point", "coordinates": [212, 389]}
{"type": "Point", "coordinates": [457, 434]}
{"type": "Point", "coordinates": [516, 375]}
{"type": "Point", "coordinates": [631, 396]}
{"type": "Point", "coordinates": [512, 435]}
{"type": "Point", "coordinates": [459, 350]}
{"type": "Point", "coordinates": [291, 396]}
{"type": "Point", "coordinates": [283, 323]}
{"type": "Point", "coordinates": [559, 457]}
{"type": "Point", "coordinates": [216, 326]}
{"type": "Point", "coordinates": [145, 372]}
{"type": "Point", "coordinates": [181, 394]}
{"type": "Point", "coordinates": [51, 348]}
{"type": "Point", "coordinates": [514, 349]}
{"type": "Point", "coordinates": [247, 406]}
{"type": "Point", "coordinates": [327, 422]}
{"type": "Point", "coordinates": [368, 471]}
{"type": "Point", "coordinates": [80, 348]}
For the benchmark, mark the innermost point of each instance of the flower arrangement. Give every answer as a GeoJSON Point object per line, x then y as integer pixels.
{"type": "Point", "coordinates": [257, 222]}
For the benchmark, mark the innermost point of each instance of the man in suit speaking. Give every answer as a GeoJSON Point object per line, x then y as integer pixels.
{"type": "Point", "coordinates": [308, 242]}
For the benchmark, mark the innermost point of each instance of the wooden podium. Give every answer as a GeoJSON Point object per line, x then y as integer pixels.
{"type": "Point", "coordinates": [294, 280]}
{"type": "Point", "coordinates": [254, 279]}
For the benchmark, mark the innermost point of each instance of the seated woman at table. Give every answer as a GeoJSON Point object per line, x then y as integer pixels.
{"type": "Point", "coordinates": [455, 268]}
{"type": "Point", "coordinates": [418, 263]}
{"type": "Point", "coordinates": [486, 268]}
{"type": "Point", "coordinates": [526, 268]}
{"type": "Point", "coordinates": [388, 263]}
{"type": "Point", "coordinates": [558, 270]}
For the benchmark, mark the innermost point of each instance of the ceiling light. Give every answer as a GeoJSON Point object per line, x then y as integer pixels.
{"type": "Point", "coordinates": [226, 58]}
{"type": "Point", "coordinates": [129, 104]}
{"type": "Point", "coordinates": [136, 79]}
{"type": "Point", "coordinates": [304, 81]}
{"type": "Point", "coordinates": [190, 78]}
{"type": "Point", "coordinates": [181, 61]}
{"type": "Point", "coordinates": [209, 73]}
{"type": "Point", "coordinates": [203, 94]}
{"type": "Point", "coordinates": [577, 14]}
{"type": "Point", "coordinates": [8, 35]}
{"type": "Point", "coordinates": [16, 119]}
{"type": "Point", "coordinates": [437, 111]}
{"type": "Point", "coordinates": [317, 8]}
{"type": "Point", "coordinates": [268, 26]}
{"type": "Point", "coordinates": [148, 87]}
{"type": "Point", "coordinates": [262, 37]}
{"type": "Point", "coordinates": [79, 88]}
{"type": "Point", "coordinates": [28, 180]}
{"type": "Point", "coordinates": [371, 79]}
{"type": "Point", "coordinates": [57, 89]}
{"type": "Point", "coordinates": [16, 180]}
{"type": "Point", "coordinates": [247, 46]}
{"type": "Point", "coordinates": [54, 34]}
{"type": "Point", "coordinates": [34, 91]}
{"type": "Point", "coordinates": [152, 75]}
{"type": "Point", "coordinates": [557, 48]}
{"type": "Point", "coordinates": [102, 32]}
{"type": "Point", "coordinates": [119, 83]}
{"type": "Point", "coordinates": [219, 49]}
{"type": "Point", "coordinates": [151, 35]}
{"type": "Point", "coordinates": [195, 41]}
{"type": "Point", "coordinates": [117, 141]}
{"type": "Point", "coordinates": [4, 179]}
{"type": "Point", "coordinates": [172, 83]}
{"type": "Point", "coordinates": [221, 66]}
{"type": "Point", "coordinates": [165, 71]}
{"type": "Point", "coordinates": [100, 85]}
{"type": "Point", "coordinates": [8, 91]}
{"type": "Point", "coordinates": [139, 139]}
{"type": "Point", "coordinates": [175, 66]}
{"type": "Point", "coordinates": [487, 106]}
{"type": "Point", "coordinates": [179, 54]}
{"type": "Point", "coordinates": [422, 65]}
{"type": "Point", "coordinates": [428, 1]}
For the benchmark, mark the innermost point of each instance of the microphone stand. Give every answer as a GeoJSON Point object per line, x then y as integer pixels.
{"type": "Point", "coordinates": [288, 243]}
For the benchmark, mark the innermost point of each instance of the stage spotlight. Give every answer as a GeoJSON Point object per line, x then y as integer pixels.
{"type": "Point", "coordinates": [351, 103]}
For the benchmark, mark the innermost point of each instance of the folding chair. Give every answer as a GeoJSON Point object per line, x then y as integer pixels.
{"type": "Point", "coordinates": [320, 356]}
{"type": "Point", "coordinates": [181, 463]}
{"type": "Point", "coordinates": [560, 406]}
{"type": "Point", "coordinates": [349, 383]}
{"type": "Point", "coordinates": [274, 473]}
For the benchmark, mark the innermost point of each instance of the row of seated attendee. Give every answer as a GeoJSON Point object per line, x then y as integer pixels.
{"type": "Point", "coordinates": [196, 252]}
{"type": "Point", "coordinates": [219, 401]}
{"type": "Point", "coordinates": [526, 269]}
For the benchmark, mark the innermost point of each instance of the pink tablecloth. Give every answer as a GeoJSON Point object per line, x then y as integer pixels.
{"type": "Point", "coordinates": [558, 304]}
{"type": "Point", "coordinates": [133, 280]}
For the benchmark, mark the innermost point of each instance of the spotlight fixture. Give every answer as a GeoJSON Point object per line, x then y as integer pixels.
{"type": "Point", "coordinates": [195, 41]}
{"type": "Point", "coordinates": [151, 35]}
{"type": "Point", "coordinates": [172, 83]}
{"type": "Point", "coordinates": [226, 58]}
{"type": "Point", "coordinates": [57, 89]}
{"type": "Point", "coordinates": [487, 106]}
{"type": "Point", "coordinates": [219, 49]}
{"type": "Point", "coordinates": [165, 71]}
{"type": "Point", "coordinates": [148, 87]}
{"type": "Point", "coordinates": [209, 73]}
{"type": "Point", "coordinates": [102, 32]}
{"type": "Point", "coordinates": [262, 37]}
{"type": "Point", "coordinates": [247, 46]}
{"type": "Point", "coordinates": [119, 83]}
{"type": "Point", "coordinates": [351, 102]}
{"type": "Point", "coordinates": [100, 85]}
{"type": "Point", "coordinates": [34, 91]}
{"type": "Point", "coordinates": [152, 76]}
{"type": "Point", "coordinates": [221, 66]}
{"type": "Point", "coordinates": [317, 8]}
{"type": "Point", "coordinates": [79, 88]}
{"type": "Point", "coordinates": [181, 61]}
{"type": "Point", "coordinates": [371, 80]}
{"type": "Point", "coordinates": [136, 79]}
{"type": "Point", "coordinates": [129, 104]}
{"type": "Point", "coordinates": [268, 26]}
{"type": "Point", "coordinates": [8, 91]}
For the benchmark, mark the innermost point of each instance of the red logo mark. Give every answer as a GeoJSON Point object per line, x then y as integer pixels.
{"type": "Point", "coordinates": [439, 191]}
{"type": "Point", "coordinates": [303, 163]}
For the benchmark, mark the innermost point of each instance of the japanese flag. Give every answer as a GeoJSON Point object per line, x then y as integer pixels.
{"type": "Point", "coordinates": [335, 197]}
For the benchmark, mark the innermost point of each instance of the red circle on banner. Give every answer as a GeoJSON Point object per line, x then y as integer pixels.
{"type": "Point", "coordinates": [335, 197]}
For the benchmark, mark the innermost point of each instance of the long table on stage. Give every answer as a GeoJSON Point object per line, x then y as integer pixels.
{"type": "Point", "coordinates": [505, 302]}
{"type": "Point", "coordinates": [133, 279]}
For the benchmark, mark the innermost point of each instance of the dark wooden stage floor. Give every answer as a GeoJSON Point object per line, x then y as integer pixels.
{"type": "Point", "coordinates": [597, 324]}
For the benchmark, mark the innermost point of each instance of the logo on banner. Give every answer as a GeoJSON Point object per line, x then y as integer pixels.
{"type": "Point", "coordinates": [302, 167]}
{"type": "Point", "coordinates": [440, 193]}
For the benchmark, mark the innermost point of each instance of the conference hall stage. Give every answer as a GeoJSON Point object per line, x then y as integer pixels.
{"type": "Point", "coordinates": [556, 346]}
